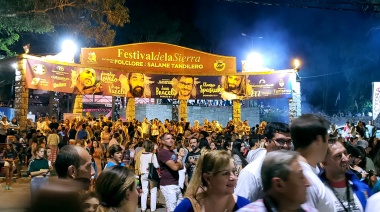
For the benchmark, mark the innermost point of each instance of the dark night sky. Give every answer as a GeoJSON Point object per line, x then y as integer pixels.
{"type": "Point", "coordinates": [326, 41]}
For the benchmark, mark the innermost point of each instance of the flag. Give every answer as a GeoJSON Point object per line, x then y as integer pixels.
{"type": "Point", "coordinates": [337, 99]}
{"type": "Point", "coordinates": [356, 105]}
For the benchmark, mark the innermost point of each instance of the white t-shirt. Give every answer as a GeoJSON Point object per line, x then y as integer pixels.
{"type": "Point", "coordinates": [145, 159]}
{"type": "Point", "coordinates": [253, 154]}
{"type": "Point", "coordinates": [249, 183]}
{"type": "Point", "coordinates": [356, 206]}
{"type": "Point", "coordinates": [316, 192]}
{"type": "Point", "coordinates": [373, 203]}
{"type": "Point", "coordinates": [258, 206]}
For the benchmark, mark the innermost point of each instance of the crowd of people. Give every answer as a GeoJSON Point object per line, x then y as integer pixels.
{"type": "Point", "coordinates": [274, 166]}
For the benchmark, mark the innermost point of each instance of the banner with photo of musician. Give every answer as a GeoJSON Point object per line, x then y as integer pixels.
{"type": "Point", "coordinates": [47, 76]}
{"type": "Point", "coordinates": [274, 85]}
{"type": "Point", "coordinates": [235, 87]}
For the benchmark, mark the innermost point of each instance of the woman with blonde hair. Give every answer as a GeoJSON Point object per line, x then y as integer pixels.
{"type": "Point", "coordinates": [212, 186]}
{"type": "Point", "coordinates": [116, 189]}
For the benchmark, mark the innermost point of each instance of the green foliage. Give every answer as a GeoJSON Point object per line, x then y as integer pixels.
{"type": "Point", "coordinates": [88, 19]}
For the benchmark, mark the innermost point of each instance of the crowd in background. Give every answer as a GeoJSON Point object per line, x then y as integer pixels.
{"type": "Point", "coordinates": [188, 157]}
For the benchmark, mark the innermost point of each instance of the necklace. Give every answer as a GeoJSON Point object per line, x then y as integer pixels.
{"type": "Point", "coordinates": [226, 207]}
{"type": "Point", "coordinates": [337, 195]}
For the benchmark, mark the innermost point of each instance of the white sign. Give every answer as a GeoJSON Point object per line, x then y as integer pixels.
{"type": "Point", "coordinates": [71, 116]}
{"type": "Point", "coordinates": [375, 99]}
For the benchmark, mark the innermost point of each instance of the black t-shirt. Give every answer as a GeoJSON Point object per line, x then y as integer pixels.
{"type": "Point", "coordinates": [72, 133]}
{"type": "Point", "coordinates": [190, 168]}
{"type": "Point", "coordinates": [10, 154]}
{"type": "Point", "coordinates": [54, 125]}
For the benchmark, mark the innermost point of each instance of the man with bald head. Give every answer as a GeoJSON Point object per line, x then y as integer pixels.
{"type": "Point", "coordinates": [74, 169]}
{"type": "Point", "coordinates": [74, 162]}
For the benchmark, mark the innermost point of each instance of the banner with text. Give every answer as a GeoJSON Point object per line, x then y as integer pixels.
{"type": "Point", "coordinates": [375, 99]}
{"type": "Point", "coordinates": [79, 80]}
{"type": "Point", "coordinates": [275, 85]}
{"type": "Point", "coordinates": [154, 57]}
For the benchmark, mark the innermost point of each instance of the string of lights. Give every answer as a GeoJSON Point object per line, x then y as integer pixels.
{"type": "Point", "coordinates": [354, 6]}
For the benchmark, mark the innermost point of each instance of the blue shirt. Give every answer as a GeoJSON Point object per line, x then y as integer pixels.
{"type": "Point", "coordinates": [185, 205]}
{"type": "Point", "coordinates": [110, 164]}
{"type": "Point", "coordinates": [82, 134]}
{"type": "Point", "coordinates": [376, 187]}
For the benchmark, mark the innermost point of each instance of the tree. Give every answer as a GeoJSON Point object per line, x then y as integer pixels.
{"type": "Point", "coordinates": [89, 20]}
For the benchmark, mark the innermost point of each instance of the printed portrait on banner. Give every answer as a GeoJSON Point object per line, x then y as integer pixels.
{"type": "Point", "coordinates": [136, 85]}
{"type": "Point", "coordinates": [235, 87]}
{"type": "Point", "coordinates": [185, 87]}
{"type": "Point", "coordinates": [84, 81]}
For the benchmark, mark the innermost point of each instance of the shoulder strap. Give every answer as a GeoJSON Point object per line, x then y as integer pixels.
{"type": "Point", "coordinates": [151, 160]}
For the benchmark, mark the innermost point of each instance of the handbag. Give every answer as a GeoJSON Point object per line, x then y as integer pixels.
{"type": "Point", "coordinates": [153, 174]}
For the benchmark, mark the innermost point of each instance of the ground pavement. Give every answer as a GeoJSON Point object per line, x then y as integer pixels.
{"type": "Point", "coordinates": [18, 198]}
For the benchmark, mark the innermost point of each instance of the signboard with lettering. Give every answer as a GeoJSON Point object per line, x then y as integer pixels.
{"type": "Point", "coordinates": [43, 75]}
{"type": "Point", "coordinates": [375, 99]}
{"type": "Point", "coordinates": [154, 57]}
{"type": "Point", "coordinates": [7, 112]}
{"type": "Point", "coordinates": [275, 85]}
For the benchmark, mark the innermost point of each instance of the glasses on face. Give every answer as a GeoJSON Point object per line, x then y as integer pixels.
{"type": "Point", "coordinates": [282, 142]}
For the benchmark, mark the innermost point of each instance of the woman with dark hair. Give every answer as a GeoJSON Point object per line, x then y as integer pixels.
{"type": "Point", "coordinates": [116, 189]}
{"type": "Point", "coordinates": [15, 127]}
{"type": "Point", "coordinates": [148, 185]}
{"type": "Point", "coordinates": [9, 155]}
{"type": "Point", "coordinates": [227, 145]}
{"type": "Point", "coordinates": [203, 143]}
{"type": "Point", "coordinates": [357, 161]}
{"type": "Point", "coordinates": [116, 154]}
{"type": "Point", "coordinates": [237, 154]}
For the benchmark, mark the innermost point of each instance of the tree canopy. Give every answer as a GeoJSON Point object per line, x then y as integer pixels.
{"type": "Point", "coordinates": [90, 20]}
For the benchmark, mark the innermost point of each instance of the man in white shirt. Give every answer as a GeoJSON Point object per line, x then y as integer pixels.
{"type": "Point", "coordinates": [249, 185]}
{"type": "Point", "coordinates": [373, 203]}
{"type": "Point", "coordinates": [254, 144]}
{"type": "Point", "coordinates": [284, 184]}
{"type": "Point", "coordinates": [310, 139]}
